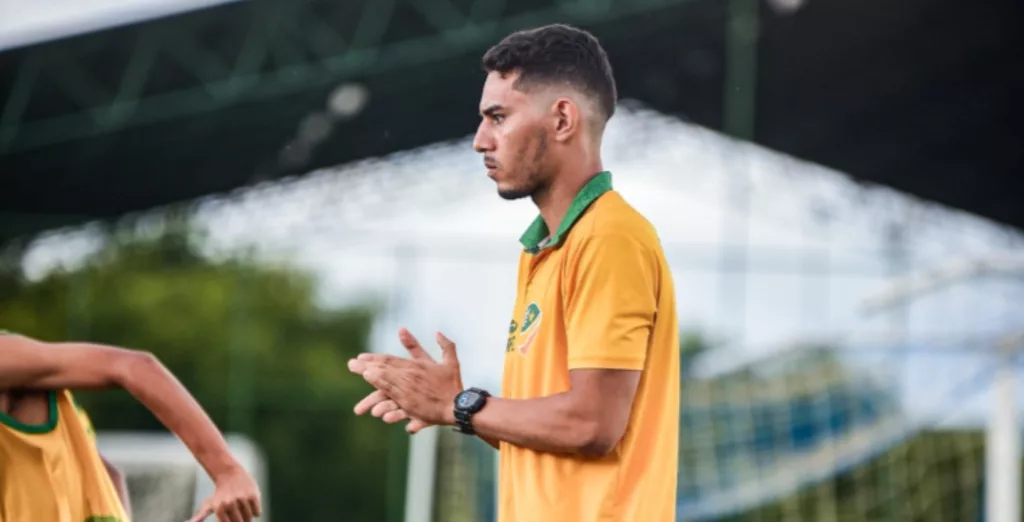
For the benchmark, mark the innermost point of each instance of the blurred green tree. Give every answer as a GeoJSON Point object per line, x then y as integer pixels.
{"type": "Point", "coordinates": [249, 339]}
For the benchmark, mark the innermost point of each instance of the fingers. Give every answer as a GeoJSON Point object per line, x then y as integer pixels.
{"type": "Point", "coordinates": [255, 505]}
{"type": "Point", "coordinates": [366, 360]}
{"type": "Point", "coordinates": [415, 426]}
{"type": "Point", "coordinates": [377, 378]}
{"type": "Point", "coordinates": [395, 416]}
{"type": "Point", "coordinates": [243, 509]}
{"type": "Point", "coordinates": [370, 401]}
{"type": "Point", "coordinates": [384, 407]}
{"type": "Point", "coordinates": [412, 345]}
{"type": "Point", "coordinates": [228, 512]}
{"type": "Point", "coordinates": [204, 511]}
{"type": "Point", "coordinates": [357, 366]}
{"type": "Point", "coordinates": [447, 350]}
{"type": "Point", "coordinates": [380, 406]}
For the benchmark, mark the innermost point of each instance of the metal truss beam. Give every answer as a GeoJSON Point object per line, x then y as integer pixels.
{"type": "Point", "coordinates": [286, 47]}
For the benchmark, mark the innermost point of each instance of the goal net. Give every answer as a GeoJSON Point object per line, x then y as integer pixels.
{"type": "Point", "coordinates": [165, 484]}
{"type": "Point", "coordinates": [830, 435]}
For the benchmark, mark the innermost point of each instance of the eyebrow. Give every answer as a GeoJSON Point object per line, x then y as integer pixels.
{"type": "Point", "coordinates": [489, 111]}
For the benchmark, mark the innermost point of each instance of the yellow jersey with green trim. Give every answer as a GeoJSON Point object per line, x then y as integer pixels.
{"type": "Point", "coordinates": [595, 294]}
{"type": "Point", "coordinates": [53, 472]}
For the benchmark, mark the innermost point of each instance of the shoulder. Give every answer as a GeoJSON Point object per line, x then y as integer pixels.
{"type": "Point", "coordinates": [613, 223]}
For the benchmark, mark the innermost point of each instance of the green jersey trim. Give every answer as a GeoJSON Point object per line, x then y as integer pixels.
{"type": "Point", "coordinates": [533, 240]}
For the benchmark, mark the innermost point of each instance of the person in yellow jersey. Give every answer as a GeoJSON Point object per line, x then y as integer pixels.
{"type": "Point", "coordinates": [50, 468]}
{"type": "Point", "coordinates": [587, 421]}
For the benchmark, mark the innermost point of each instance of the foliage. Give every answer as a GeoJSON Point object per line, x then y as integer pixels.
{"type": "Point", "coordinates": [253, 345]}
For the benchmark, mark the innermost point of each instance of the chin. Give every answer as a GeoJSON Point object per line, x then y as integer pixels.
{"type": "Point", "coordinates": [513, 194]}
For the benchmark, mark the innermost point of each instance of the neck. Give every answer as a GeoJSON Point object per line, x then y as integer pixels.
{"type": "Point", "coordinates": [554, 202]}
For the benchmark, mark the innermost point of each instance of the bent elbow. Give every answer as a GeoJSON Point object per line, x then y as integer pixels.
{"type": "Point", "coordinates": [597, 441]}
{"type": "Point", "coordinates": [135, 367]}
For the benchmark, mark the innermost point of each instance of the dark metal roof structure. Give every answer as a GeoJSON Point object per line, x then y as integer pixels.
{"type": "Point", "coordinates": [920, 95]}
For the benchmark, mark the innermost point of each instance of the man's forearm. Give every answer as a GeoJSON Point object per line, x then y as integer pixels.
{"type": "Point", "coordinates": [549, 424]}
{"type": "Point", "coordinates": [157, 389]}
{"type": "Point", "coordinates": [491, 441]}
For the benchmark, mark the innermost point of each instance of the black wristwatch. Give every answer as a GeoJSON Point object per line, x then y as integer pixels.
{"type": "Point", "coordinates": [468, 403]}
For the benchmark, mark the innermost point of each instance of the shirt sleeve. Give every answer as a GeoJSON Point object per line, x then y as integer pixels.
{"type": "Point", "coordinates": [611, 303]}
{"type": "Point", "coordinates": [83, 417]}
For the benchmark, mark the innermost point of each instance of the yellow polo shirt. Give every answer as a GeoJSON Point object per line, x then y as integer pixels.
{"type": "Point", "coordinates": [595, 294]}
{"type": "Point", "coordinates": [53, 472]}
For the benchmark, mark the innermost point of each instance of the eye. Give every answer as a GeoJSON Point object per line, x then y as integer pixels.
{"type": "Point", "coordinates": [497, 118]}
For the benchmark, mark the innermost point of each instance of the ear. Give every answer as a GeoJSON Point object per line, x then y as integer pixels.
{"type": "Point", "coordinates": [568, 120]}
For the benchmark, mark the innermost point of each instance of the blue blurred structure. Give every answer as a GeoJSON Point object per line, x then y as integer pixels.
{"type": "Point", "coordinates": [752, 438]}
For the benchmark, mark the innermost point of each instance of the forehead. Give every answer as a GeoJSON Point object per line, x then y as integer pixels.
{"type": "Point", "coordinates": [500, 90]}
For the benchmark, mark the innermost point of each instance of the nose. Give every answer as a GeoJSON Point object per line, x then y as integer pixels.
{"type": "Point", "coordinates": [483, 141]}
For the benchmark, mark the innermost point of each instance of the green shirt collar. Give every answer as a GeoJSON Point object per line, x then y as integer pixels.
{"type": "Point", "coordinates": [538, 230]}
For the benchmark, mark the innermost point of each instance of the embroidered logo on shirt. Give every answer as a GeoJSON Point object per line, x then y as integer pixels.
{"type": "Point", "coordinates": [513, 327]}
{"type": "Point", "coordinates": [531, 325]}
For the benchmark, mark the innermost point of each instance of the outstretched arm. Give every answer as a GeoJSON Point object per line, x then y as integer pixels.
{"type": "Point", "coordinates": [29, 364]}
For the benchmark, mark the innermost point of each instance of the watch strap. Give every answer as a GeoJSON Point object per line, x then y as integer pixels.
{"type": "Point", "coordinates": [464, 416]}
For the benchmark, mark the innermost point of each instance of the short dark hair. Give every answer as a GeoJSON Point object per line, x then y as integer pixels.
{"type": "Point", "coordinates": [557, 53]}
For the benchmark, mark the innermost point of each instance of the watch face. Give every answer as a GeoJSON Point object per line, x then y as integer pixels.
{"type": "Point", "coordinates": [466, 399]}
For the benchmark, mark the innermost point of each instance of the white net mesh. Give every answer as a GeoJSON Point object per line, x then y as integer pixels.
{"type": "Point", "coordinates": [160, 492]}
{"type": "Point", "coordinates": [825, 435]}
{"type": "Point", "coordinates": [165, 484]}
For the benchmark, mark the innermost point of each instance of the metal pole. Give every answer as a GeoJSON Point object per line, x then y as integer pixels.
{"type": "Point", "coordinates": [419, 488]}
{"type": "Point", "coordinates": [741, 69]}
{"type": "Point", "coordinates": [738, 119]}
{"type": "Point", "coordinates": [1003, 444]}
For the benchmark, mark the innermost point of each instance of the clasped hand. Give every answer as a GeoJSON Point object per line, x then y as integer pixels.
{"type": "Point", "coordinates": [420, 390]}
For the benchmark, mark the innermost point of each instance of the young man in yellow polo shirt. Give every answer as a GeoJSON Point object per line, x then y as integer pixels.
{"type": "Point", "coordinates": [50, 469]}
{"type": "Point", "coordinates": [587, 419]}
